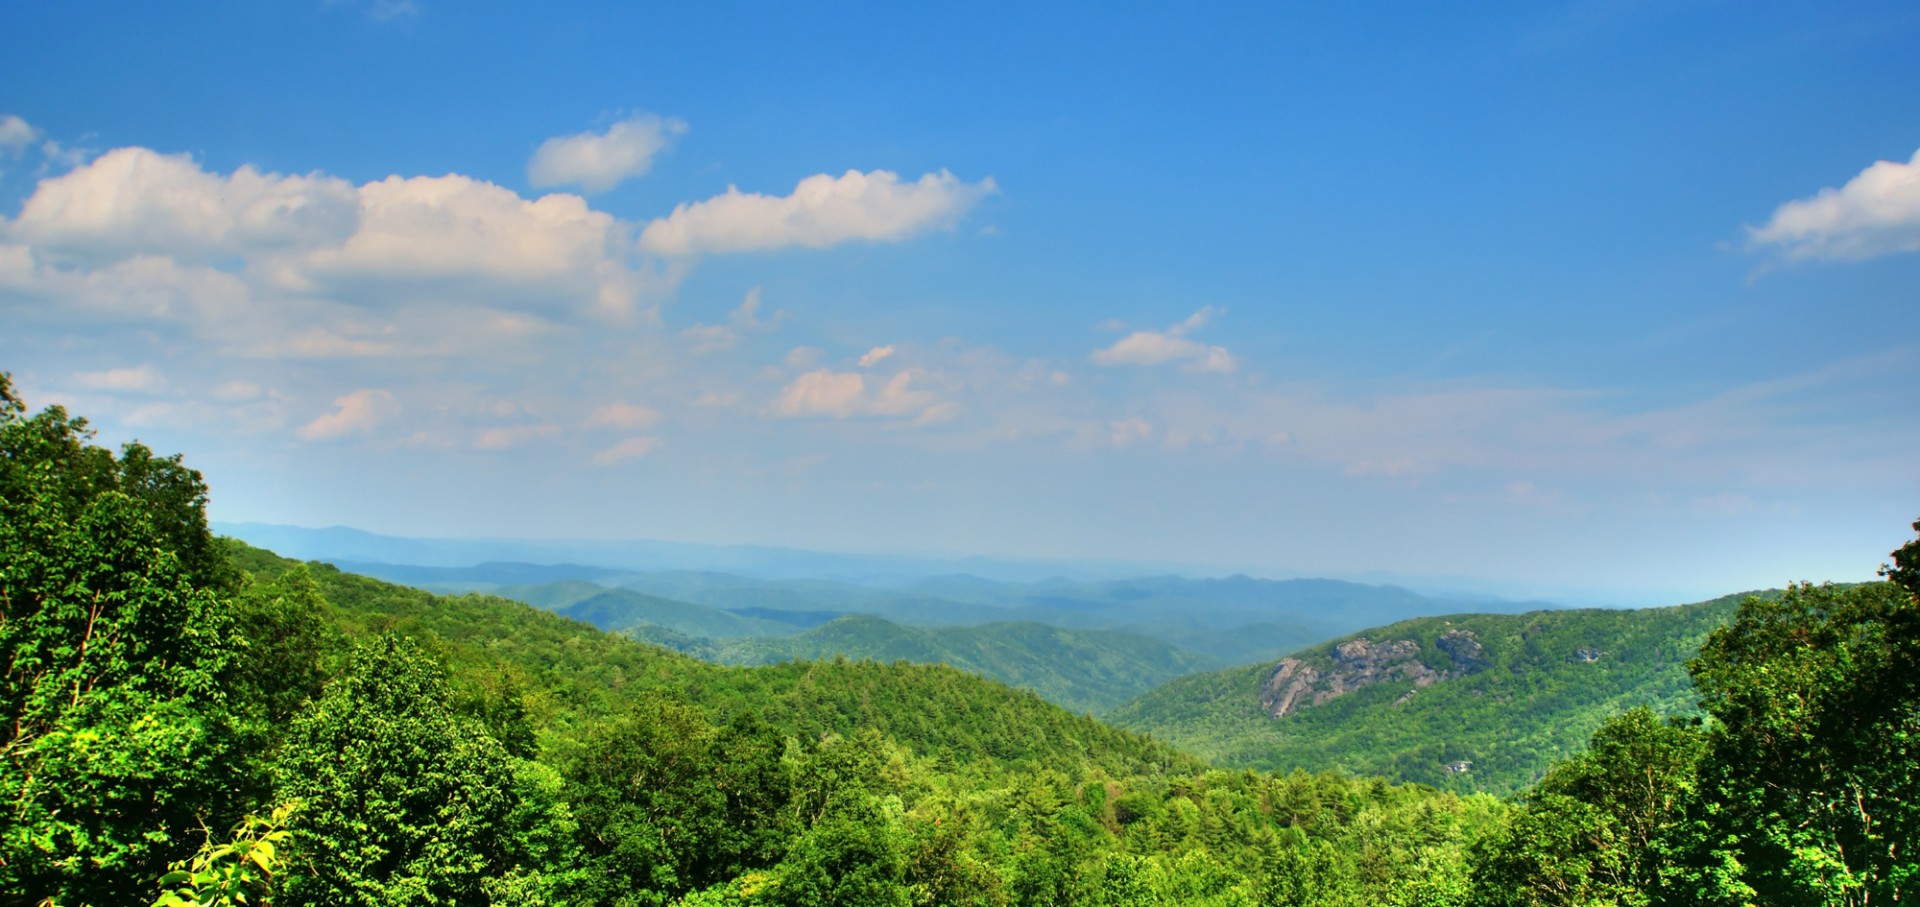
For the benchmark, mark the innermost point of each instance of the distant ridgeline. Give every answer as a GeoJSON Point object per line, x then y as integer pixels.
{"type": "Point", "coordinates": [186, 720]}
{"type": "Point", "coordinates": [1470, 701]}
{"type": "Point", "coordinates": [1089, 646]}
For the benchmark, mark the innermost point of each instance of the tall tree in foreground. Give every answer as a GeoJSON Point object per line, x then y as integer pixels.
{"type": "Point", "coordinates": [114, 743]}
{"type": "Point", "coordinates": [1809, 792]}
{"type": "Point", "coordinates": [1588, 831]}
{"type": "Point", "coordinates": [404, 802]}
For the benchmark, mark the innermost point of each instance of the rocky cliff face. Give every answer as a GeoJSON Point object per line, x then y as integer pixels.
{"type": "Point", "coordinates": [1356, 663]}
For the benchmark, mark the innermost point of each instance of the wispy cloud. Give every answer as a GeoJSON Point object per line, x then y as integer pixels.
{"type": "Point", "coordinates": [628, 449]}
{"type": "Point", "coordinates": [627, 416]}
{"type": "Point", "coordinates": [15, 135]}
{"type": "Point", "coordinates": [744, 319]}
{"type": "Point", "coordinates": [841, 395]}
{"type": "Point", "coordinates": [138, 379]}
{"type": "Point", "coordinates": [354, 414]}
{"type": "Point", "coordinates": [598, 161]}
{"type": "Point", "coordinates": [1148, 348]}
{"type": "Point", "coordinates": [822, 211]}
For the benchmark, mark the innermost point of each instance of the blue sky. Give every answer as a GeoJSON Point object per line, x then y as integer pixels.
{"type": "Point", "coordinates": [1605, 300]}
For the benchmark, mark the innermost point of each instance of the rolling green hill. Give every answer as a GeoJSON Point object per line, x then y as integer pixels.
{"type": "Point", "coordinates": [571, 676]}
{"type": "Point", "coordinates": [1083, 670]}
{"type": "Point", "coordinates": [1508, 694]}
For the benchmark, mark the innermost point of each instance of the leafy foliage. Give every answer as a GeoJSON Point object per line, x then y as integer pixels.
{"type": "Point", "coordinates": [1807, 794]}
{"type": "Point", "coordinates": [114, 737]}
{"type": "Point", "coordinates": [405, 801]}
{"type": "Point", "coordinates": [1589, 832]}
{"type": "Point", "coordinates": [238, 872]}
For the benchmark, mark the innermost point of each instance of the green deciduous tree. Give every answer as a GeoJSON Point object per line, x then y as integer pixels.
{"type": "Point", "coordinates": [1808, 794]}
{"type": "Point", "coordinates": [114, 738]}
{"type": "Point", "coordinates": [670, 804]}
{"type": "Point", "coordinates": [405, 802]}
{"type": "Point", "coordinates": [1589, 830]}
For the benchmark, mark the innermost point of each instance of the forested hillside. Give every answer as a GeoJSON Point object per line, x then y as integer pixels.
{"type": "Point", "coordinates": [1473, 701]}
{"type": "Point", "coordinates": [374, 744]}
{"type": "Point", "coordinates": [190, 722]}
{"type": "Point", "coordinates": [1082, 670]}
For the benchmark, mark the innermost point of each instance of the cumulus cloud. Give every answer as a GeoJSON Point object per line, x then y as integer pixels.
{"type": "Point", "coordinates": [385, 243]}
{"type": "Point", "coordinates": [629, 449]}
{"type": "Point", "coordinates": [1148, 348]}
{"type": "Point", "coordinates": [629, 416]}
{"type": "Point", "coordinates": [598, 161]}
{"type": "Point", "coordinates": [357, 413]}
{"type": "Point", "coordinates": [15, 135]}
{"type": "Point", "coordinates": [1875, 213]}
{"type": "Point", "coordinates": [822, 211]}
{"type": "Point", "coordinates": [875, 355]}
{"type": "Point", "coordinates": [134, 201]}
{"type": "Point", "coordinates": [427, 228]}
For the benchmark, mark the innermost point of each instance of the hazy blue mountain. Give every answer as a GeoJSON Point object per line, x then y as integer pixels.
{"type": "Point", "coordinates": [336, 544]}
{"type": "Point", "coordinates": [1084, 670]}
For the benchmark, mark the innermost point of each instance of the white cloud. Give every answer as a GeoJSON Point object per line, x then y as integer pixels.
{"type": "Point", "coordinates": [1147, 348]}
{"type": "Point", "coordinates": [1875, 213]}
{"type": "Point", "coordinates": [16, 135]}
{"type": "Point", "coordinates": [823, 393]}
{"type": "Point", "coordinates": [802, 356]}
{"type": "Point", "coordinates": [140, 379]}
{"type": "Point", "coordinates": [875, 355]}
{"type": "Point", "coordinates": [629, 416]}
{"type": "Point", "coordinates": [841, 395]}
{"type": "Point", "coordinates": [133, 201]}
{"type": "Point", "coordinates": [629, 449]}
{"type": "Point", "coordinates": [598, 161]}
{"type": "Point", "coordinates": [357, 413]}
{"type": "Point", "coordinates": [454, 227]}
{"type": "Point", "coordinates": [389, 242]}
{"type": "Point", "coordinates": [822, 211]}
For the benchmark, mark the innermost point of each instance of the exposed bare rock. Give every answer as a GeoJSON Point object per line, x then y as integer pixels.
{"type": "Point", "coordinates": [1465, 650]}
{"type": "Point", "coordinates": [1296, 684]}
{"type": "Point", "coordinates": [1283, 689]}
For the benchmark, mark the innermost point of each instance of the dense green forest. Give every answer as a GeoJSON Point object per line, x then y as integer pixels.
{"type": "Point", "coordinates": [1473, 701]}
{"type": "Point", "coordinates": [1082, 670]}
{"type": "Point", "coordinates": [192, 721]}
